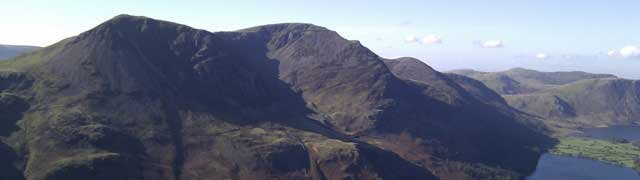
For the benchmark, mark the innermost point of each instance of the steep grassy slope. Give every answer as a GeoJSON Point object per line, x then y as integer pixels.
{"type": "Point", "coordinates": [9, 51]}
{"type": "Point", "coordinates": [138, 98]}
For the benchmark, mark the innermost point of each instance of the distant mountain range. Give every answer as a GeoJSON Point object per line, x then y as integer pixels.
{"type": "Point", "coordinates": [570, 100]}
{"type": "Point", "coordinates": [139, 98]}
{"type": "Point", "coordinates": [9, 51]}
{"type": "Point", "coordinates": [523, 81]}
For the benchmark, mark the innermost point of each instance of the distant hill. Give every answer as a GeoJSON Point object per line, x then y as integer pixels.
{"type": "Point", "coordinates": [522, 81]}
{"type": "Point", "coordinates": [567, 100]}
{"type": "Point", "coordinates": [585, 103]}
{"type": "Point", "coordinates": [9, 51]}
{"type": "Point", "coordinates": [139, 98]}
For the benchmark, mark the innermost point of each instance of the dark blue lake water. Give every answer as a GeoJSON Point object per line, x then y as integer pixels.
{"type": "Point", "coordinates": [555, 167]}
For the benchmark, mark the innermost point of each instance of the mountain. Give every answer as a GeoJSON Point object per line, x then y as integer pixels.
{"type": "Point", "coordinates": [522, 81]}
{"type": "Point", "coordinates": [459, 87]}
{"type": "Point", "coordinates": [586, 103]}
{"type": "Point", "coordinates": [463, 87]}
{"type": "Point", "coordinates": [568, 101]}
{"type": "Point", "coordinates": [139, 98]}
{"type": "Point", "coordinates": [9, 51]}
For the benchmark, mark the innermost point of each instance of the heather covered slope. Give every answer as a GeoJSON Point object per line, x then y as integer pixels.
{"type": "Point", "coordinates": [522, 81]}
{"type": "Point", "coordinates": [9, 51]}
{"type": "Point", "coordinates": [138, 98]}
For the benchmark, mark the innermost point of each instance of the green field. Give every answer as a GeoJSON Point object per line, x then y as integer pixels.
{"type": "Point", "coordinates": [623, 154]}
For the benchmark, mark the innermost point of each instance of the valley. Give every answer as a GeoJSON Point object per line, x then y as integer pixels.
{"type": "Point", "coordinates": [591, 115]}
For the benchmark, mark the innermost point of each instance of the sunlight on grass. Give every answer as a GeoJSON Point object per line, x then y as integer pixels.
{"type": "Point", "coordinates": [622, 154]}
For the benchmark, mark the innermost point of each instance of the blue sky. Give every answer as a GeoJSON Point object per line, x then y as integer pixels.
{"type": "Point", "coordinates": [543, 34]}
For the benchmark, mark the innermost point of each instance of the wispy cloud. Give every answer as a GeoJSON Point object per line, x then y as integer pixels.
{"type": "Point", "coordinates": [542, 56]}
{"type": "Point", "coordinates": [429, 39]}
{"type": "Point", "coordinates": [432, 39]}
{"type": "Point", "coordinates": [411, 39]}
{"type": "Point", "coordinates": [489, 43]}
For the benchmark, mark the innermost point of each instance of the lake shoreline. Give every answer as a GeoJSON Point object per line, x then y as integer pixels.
{"type": "Point", "coordinates": [617, 153]}
{"type": "Point", "coordinates": [560, 167]}
{"type": "Point", "coordinates": [592, 159]}
{"type": "Point", "coordinates": [593, 154]}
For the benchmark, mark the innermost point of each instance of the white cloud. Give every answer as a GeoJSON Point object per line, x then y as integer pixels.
{"type": "Point", "coordinates": [490, 43]}
{"type": "Point", "coordinates": [432, 39]}
{"type": "Point", "coordinates": [626, 52]}
{"type": "Point", "coordinates": [542, 56]}
{"type": "Point", "coordinates": [630, 52]}
{"type": "Point", "coordinates": [411, 39]}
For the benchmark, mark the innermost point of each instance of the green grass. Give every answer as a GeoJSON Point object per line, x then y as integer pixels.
{"type": "Point", "coordinates": [622, 154]}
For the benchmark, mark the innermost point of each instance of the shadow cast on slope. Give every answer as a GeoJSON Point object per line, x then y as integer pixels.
{"type": "Point", "coordinates": [474, 132]}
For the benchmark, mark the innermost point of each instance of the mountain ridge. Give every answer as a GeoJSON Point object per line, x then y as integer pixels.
{"type": "Point", "coordinates": [569, 101]}
{"type": "Point", "coordinates": [141, 98]}
{"type": "Point", "coordinates": [522, 81]}
{"type": "Point", "coordinates": [586, 103]}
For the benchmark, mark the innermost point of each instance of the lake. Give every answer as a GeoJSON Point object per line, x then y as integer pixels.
{"type": "Point", "coordinates": [555, 167]}
{"type": "Point", "coordinates": [631, 133]}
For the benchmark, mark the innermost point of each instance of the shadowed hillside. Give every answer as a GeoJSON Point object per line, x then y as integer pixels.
{"type": "Point", "coordinates": [462, 87]}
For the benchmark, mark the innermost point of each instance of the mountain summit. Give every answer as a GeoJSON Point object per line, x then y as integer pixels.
{"type": "Point", "coordinates": [139, 98]}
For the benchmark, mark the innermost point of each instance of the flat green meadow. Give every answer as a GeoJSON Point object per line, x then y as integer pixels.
{"type": "Point", "coordinates": [622, 154]}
